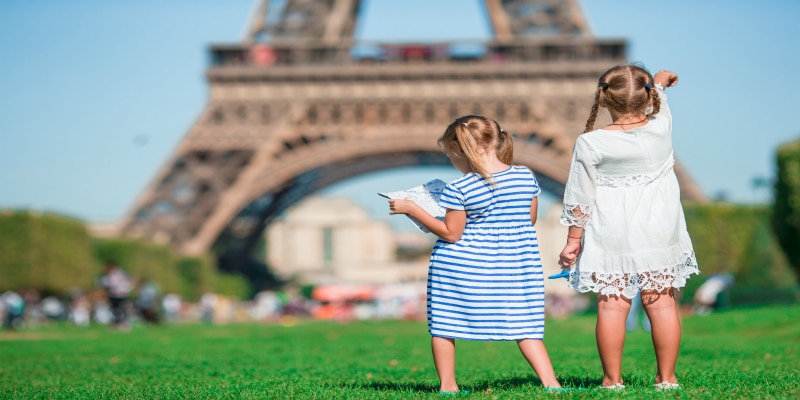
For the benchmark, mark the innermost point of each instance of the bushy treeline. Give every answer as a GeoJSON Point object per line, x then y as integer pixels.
{"type": "Point", "coordinates": [46, 252]}
{"type": "Point", "coordinates": [738, 239]}
{"type": "Point", "coordinates": [56, 254]}
{"type": "Point", "coordinates": [786, 212]}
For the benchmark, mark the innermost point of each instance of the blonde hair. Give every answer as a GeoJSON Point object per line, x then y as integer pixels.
{"type": "Point", "coordinates": [626, 90]}
{"type": "Point", "coordinates": [467, 135]}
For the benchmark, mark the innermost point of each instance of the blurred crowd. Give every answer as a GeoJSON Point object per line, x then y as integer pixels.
{"type": "Point", "coordinates": [119, 302]}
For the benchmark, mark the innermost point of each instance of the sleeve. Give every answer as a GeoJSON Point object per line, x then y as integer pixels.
{"type": "Point", "coordinates": [537, 190]}
{"type": "Point", "coordinates": [452, 198]}
{"type": "Point", "coordinates": [664, 115]}
{"type": "Point", "coordinates": [579, 193]}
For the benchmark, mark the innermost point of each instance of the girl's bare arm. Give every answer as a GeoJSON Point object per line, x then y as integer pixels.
{"type": "Point", "coordinates": [450, 229]}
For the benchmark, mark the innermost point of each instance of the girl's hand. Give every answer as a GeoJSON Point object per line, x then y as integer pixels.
{"type": "Point", "coordinates": [666, 78]}
{"type": "Point", "coordinates": [450, 229]}
{"type": "Point", "coordinates": [401, 206]}
{"type": "Point", "coordinates": [570, 253]}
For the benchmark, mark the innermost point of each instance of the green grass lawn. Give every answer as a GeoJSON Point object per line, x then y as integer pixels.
{"type": "Point", "coordinates": [746, 353]}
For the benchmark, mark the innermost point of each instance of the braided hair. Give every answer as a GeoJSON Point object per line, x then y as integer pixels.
{"type": "Point", "coordinates": [626, 90]}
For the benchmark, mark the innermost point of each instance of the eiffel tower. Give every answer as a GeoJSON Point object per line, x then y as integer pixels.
{"type": "Point", "coordinates": [300, 104]}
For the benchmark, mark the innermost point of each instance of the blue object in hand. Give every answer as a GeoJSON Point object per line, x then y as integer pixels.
{"type": "Point", "coordinates": [564, 274]}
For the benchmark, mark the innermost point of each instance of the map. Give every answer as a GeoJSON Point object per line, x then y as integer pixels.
{"type": "Point", "coordinates": [426, 196]}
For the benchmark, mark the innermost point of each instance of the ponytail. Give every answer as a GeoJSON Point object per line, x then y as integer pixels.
{"type": "Point", "coordinates": [469, 146]}
{"type": "Point", "coordinates": [505, 147]}
{"type": "Point", "coordinates": [468, 135]}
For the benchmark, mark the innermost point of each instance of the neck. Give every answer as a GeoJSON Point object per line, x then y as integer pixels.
{"type": "Point", "coordinates": [627, 121]}
{"type": "Point", "coordinates": [627, 117]}
{"type": "Point", "coordinates": [492, 164]}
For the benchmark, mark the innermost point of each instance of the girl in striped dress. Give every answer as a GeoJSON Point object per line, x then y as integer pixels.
{"type": "Point", "coordinates": [485, 279]}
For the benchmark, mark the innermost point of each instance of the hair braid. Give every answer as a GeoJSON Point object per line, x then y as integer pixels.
{"type": "Point", "coordinates": [625, 90]}
{"type": "Point", "coordinates": [653, 92]}
{"type": "Point", "coordinates": [593, 113]}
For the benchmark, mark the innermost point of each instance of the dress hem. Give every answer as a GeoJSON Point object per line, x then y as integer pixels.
{"type": "Point", "coordinates": [630, 284]}
{"type": "Point", "coordinates": [485, 339]}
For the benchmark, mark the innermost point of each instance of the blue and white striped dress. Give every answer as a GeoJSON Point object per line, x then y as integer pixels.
{"type": "Point", "coordinates": [489, 285]}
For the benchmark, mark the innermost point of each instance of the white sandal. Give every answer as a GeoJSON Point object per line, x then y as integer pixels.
{"type": "Point", "coordinates": [616, 386]}
{"type": "Point", "coordinates": [666, 386]}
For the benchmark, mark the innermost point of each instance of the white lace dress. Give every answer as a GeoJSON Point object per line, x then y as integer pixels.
{"type": "Point", "coordinates": [623, 186]}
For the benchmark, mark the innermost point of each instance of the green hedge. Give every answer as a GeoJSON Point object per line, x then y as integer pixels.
{"type": "Point", "coordinates": [144, 261]}
{"type": "Point", "coordinates": [786, 213]}
{"type": "Point", "coordinates": [49, 252]}
{"type": "Point", "coordinates": [738, 239]}
{"type": "Point", "coordinates": [199, 275]}
{"type": "Point", "coordinates": [188, 276]}
{"type": "Point", "coordinates": [55, 254]}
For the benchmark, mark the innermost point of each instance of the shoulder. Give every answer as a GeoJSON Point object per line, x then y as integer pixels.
{"type": "Point", "coordinates": [592, 136]}
{"type": "Point", "coordinates": [462, 181]}
{"type": "Point", "coordinates": [521, 171]}
{"type": "Point", "coordinates": [520, 175]}
{"type": "Point", "coordinates": [588, 141]}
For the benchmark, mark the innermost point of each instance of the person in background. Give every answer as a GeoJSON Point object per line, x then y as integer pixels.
{"type": "Point", "coordinates": [118, 288]}
{"type": "Point", "coordinates": [14, 307]}
{"type": "Point", "coordinates": [707, 296]}
{"type": "Point", "coordinates": [171, 304]}
{"type": "Point", "coordinates": [632, 322]}
{"type": "Point", "coordinates": [147, 304]}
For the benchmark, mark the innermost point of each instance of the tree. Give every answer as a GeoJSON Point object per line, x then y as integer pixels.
{"type": "Point", "coordinates": [786, 211]}
{"type": "Point", "coordinates": [49, 252]}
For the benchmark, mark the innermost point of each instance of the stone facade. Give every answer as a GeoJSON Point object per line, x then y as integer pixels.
{"type": "Point", "coordinates": [333, 240]}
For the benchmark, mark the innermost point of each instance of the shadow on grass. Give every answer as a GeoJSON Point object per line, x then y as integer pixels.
{"type": "Point", "coordinates": [510, 383]}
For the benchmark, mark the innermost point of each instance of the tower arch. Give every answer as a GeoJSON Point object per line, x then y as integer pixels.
{"type": "Point", "coordinates": [292, 109]}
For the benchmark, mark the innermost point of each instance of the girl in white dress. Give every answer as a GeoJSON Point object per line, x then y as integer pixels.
{"type": "Point", "coordinates": [485, 279]}
{"type": "Point", "coordinates": [627, 231]}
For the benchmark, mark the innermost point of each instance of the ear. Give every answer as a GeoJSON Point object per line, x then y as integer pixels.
{"type": "Point", "coordinates": [456, 149]}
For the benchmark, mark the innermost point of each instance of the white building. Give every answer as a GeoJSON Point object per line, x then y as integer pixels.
{"type": "Point", "coordinates": [333, 240]}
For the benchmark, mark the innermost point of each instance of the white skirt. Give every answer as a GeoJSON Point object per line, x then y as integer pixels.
{"type": "Point", "coordinates": [636, 239]}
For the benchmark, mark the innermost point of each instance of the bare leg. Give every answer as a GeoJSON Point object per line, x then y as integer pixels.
{"type": "Point", "coordinates": [536, 354]}
{"type": "Point", "coordinates": [610, 331]}
{"type": "Point", "coordinates": [444, 357]}
{"type": "Point", "coordinates": [662, 310]}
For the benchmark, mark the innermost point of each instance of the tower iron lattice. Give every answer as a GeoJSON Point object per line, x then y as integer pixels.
{"type": "Point", "coordinates": [300, 104]}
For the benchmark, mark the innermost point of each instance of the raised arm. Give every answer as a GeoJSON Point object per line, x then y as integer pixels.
{"type": "Point", "coordinates": [665, 78]}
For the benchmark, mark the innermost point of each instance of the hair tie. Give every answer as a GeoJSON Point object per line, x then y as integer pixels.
{"type": "Point", "coordinates": [464, 123]}
{"type": "Point", "coordinates": [603, 85]}
{"type": "Point", "coordinates": [648, 86]}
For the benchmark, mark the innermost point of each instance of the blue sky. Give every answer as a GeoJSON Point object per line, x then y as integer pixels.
{"type": "Point", "coordinates": [94, 94]}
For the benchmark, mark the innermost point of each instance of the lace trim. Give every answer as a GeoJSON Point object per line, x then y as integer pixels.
{"type": "Point", "coordinates": [626, 181]}
{"type": "Point", "coordinates": [629, 285]}
{"type": "Point", "coordinates": [569, 217]}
